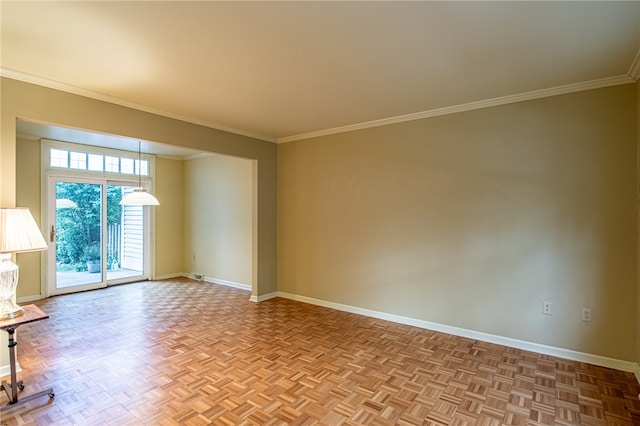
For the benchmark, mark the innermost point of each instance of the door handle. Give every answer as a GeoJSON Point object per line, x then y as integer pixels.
{"type": "Point", "coordinates": [52, 234]}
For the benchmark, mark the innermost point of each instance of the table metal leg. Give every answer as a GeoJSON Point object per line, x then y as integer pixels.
{"type": "Point", "coordinates": [12, 388]}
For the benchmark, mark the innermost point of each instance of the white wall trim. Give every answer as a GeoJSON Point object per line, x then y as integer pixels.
{"type": "Point", "coordinates": [631, 77]}
{"type": "Point", "coordinates": [503, 100]}
{"type": "Point", "coordinates": [634, 69]}
{"type": "Point", "coordinates": [636, 372]}
{"type": "Point", "coordinates": [264, 297]}
{"type": "Point", "coordinates": [51, 84]}
{"type": "Point", "coordinates": [476, 335]}
{"type": "Point", "coordinates": [170, 276]}
{"type": "Point", "coordinates": [5, 370]}
{"type": "Point", "coordinates": [227, 283]}
{"type": "Point", "coordinates": [196, 156]}
{"type": "Point", "coordinates": [31, 298]}
{"type": "Point", "coordinates": [210, 280]}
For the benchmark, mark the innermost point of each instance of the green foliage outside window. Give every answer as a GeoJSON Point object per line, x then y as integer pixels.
{"type": "Point", "coordinates": [79, 228]}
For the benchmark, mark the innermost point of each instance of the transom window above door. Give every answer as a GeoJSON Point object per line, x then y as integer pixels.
{"type": "Point", "coordinates": [94, 162]}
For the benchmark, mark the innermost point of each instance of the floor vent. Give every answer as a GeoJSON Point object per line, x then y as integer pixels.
{"type": "Point", "coordinates": [198, 277]}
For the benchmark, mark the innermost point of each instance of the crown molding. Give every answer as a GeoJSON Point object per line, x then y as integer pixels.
{"type": "Point", "coordinates": [634, 69]}
{"type": "Point", "coordinates": [196, 156]}
{"type": "Point", "coordinates": [632, 76]}
{"type": "Point", "coordinates": [27, 137]}
{"type": "Point", "coordinates": [487, 103]}
{"type": "Point", "coordinates": [52, 84]}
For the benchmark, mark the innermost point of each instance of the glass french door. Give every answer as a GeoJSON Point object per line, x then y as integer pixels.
{"type": "Point", "coordinates": [93, 240]}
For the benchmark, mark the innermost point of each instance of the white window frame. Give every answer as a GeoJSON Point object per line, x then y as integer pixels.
{"type": "Point", "coordinates": [146, 181]}
{"type": "Point", "coordinates": [48, 145]}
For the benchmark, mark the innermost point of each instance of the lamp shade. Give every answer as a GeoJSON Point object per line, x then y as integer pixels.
{"type": "Point", "coordinates": [139, 197]}
{"type": "Point", "coordinates": [19, 231]}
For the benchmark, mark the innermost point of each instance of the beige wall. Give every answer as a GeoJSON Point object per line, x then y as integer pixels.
{"type": "Point", "coordinates": [218, 212]}
{"type": "Point", "coordinates": [169, 217]}
{"type": "Point", "coordinates": [637, 313]}
{"type": "Point", "coordinates": [35, 103]}
{"type": "Point", "coordinates": [474, 219]}
{"type": "Point", "coordinates": [28, 195]}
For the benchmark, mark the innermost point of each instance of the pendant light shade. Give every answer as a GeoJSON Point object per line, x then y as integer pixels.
{"type": "Point", "coordinates": [139, 196]}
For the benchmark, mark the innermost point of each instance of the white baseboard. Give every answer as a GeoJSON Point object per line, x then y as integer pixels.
{"type": "Point", "coordinates": [227, 283]}
{"type": "Point", "coordinates": [5, 370]}
{"type": "Point", "coordinates": [26, 299]}
{"type": "Point", "coordinates": [170, 276]}
{"type": "Point", "coordinates": [264, 297]}
{"type": "Point", "coordinates": [476, 335]}
{"type": "Point", "coordinates": [218, 281]}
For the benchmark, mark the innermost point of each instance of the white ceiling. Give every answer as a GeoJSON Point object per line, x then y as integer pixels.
{"type": "Point", "coordinates": [283, 70]}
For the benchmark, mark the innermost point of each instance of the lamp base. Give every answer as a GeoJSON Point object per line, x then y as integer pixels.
{"type": "Point", "coordinates": [10, 312]}
{"type": "Point", "coordinates": [8, 283]}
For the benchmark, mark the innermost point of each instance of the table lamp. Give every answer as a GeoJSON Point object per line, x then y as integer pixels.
{"type": "Point", "coordinates": [19, 233]}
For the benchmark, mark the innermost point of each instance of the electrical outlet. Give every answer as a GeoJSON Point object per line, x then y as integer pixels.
{"type": "Point", "coordinates": [546, 308]}
{"type": "Point", "coordinates": [586, 314]}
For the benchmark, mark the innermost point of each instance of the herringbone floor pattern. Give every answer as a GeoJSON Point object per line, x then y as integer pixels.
{"type": "Point", "coordinates": [191, 353]}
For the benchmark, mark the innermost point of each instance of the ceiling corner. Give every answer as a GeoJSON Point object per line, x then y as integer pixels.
{"type": "Point", "coordinates": [634, 70]}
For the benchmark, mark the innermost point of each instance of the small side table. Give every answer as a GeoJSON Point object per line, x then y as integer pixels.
{"type": "Point", "coordinates": [31, 314]}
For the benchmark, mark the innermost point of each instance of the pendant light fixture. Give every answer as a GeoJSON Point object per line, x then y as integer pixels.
{"type": "Point", "coordinates": [139, 196]}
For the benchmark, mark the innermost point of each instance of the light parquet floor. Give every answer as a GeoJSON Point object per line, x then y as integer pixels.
{"type": "Point", "coordinates": [190, 353]}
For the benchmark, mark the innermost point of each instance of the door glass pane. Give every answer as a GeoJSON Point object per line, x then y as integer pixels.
{"type": "Point", "coordinates": [78, 234]}
{"type": "Point", "coordinates": [125, 235]}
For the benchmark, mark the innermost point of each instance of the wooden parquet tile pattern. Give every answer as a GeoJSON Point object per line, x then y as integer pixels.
{"type": "Point", "coordinates": [190, 353]}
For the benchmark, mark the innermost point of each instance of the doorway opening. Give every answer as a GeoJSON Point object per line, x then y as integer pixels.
{"type": "Point", "coordinates": [94, 241]}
